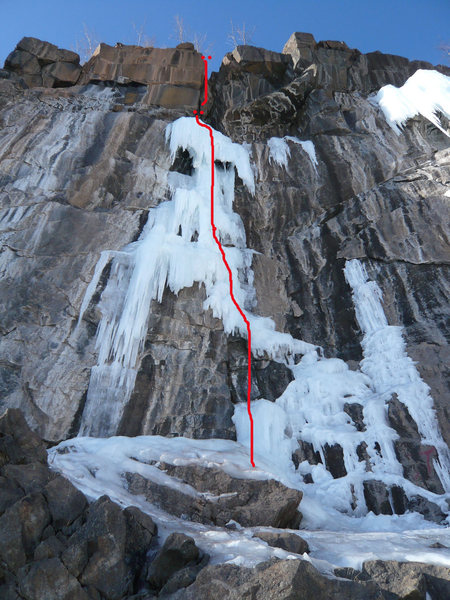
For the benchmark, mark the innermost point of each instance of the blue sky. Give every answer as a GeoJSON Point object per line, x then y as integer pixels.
{"type": "Point", "coordinates": [411, 28]}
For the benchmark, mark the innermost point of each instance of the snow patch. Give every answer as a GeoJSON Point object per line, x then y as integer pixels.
{"type": "Point", "coordinates": [425, 93]}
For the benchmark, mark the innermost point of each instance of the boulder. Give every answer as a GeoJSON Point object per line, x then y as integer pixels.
{"type": "Point", "coordinates": [34, 517]}
{"type": "Point", "coordinates": [249, 502]}
{"type": "Point", "coordinates": [23, 63]}
{"type": "Point", "coordinates": [305, 451]}
{"type": "Point", "coordinates": [409, 580]}
{"type": "Point", "coordinates": [49, 579]}
{"type": "Point", "coordinates": [60, 74]}
{"type": "Point", "coordinates": [349, 573]}
{"type": "Point", "coordinates": [181, 579]}
{"type": "Point", "coordinates": [415, 457]}
{"type": "Point", "coordinates": [52, 545]}
{"type": "Point", "coordinates": [75, 557]}
{"type": "Point", "coordinates": [178, 551]}
{"type": "Point", "coordinates": [12, 549]}
{"type": "Point", "coordinates": [140, 531]}
{"type": "Point", "coordinates": [18, 444]}
{"type": "Point", "coordinates": [355, 412]}
{"type": "Point", "coordinates": [31, 477]}
{"type": "Point", "coordinates": [376, 496]}
{"type": "Point", "coordinates": [47, 53]}
{"type": "Point", "coordinates": [378, 499]}
{"type": "Point", "coordinates": [116, 545]}
{"type": "Point", "coordinates": [42, 64]}
{"type": "Point", "coordinates": [65, 502]}
{"type": "Point", "coordinates": [291, 542]}
{"type": "Point", "coordinates": [10, 492]}
{"type": "Point", "coordinates": [430, 510]}
{"type": "Point", "coordinates": [277, 580]}
{"type": "Point", "coordinates": [334, 460]}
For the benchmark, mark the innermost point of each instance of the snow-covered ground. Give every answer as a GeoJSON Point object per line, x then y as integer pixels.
{"type": "Point", "coordinates": [96, 467]}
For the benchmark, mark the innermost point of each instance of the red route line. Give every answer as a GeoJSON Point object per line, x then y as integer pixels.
{"type": "Point", "coordinates": [230, 275]}
{"type": "Point", "coordinates": [206, 80]}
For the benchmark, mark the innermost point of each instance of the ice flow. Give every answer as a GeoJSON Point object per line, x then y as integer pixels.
{"type": "Point", "coordinates": [176, 249]}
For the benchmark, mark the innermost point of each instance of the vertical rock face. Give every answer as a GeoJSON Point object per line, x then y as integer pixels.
{"type": "Point", "coordinates": [82, 167]}
{"type": "Point", "coordinates": [173, 76]}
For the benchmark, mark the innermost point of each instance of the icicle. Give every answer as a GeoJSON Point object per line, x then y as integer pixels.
{"type": "Point", "coordinates": [279, 151]}
{"type": "Point", "coordinates": [311, 410]}
{"type": "Point", "coordinates": [90, 291]}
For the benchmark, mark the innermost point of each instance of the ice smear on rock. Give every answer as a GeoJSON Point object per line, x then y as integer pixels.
{"type": "Point", "coordinates": [280, 152]}
{"type": "Point", "coordinates": [176, 249]}
{"type": "Point", "coordinates": [425, 93]}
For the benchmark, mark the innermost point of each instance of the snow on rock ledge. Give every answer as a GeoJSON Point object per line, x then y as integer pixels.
{"type": "Point", "coordinates": [425, 93]}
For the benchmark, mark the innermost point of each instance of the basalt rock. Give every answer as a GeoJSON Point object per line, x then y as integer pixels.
{"type": "Point", "coordinates": [412, 581]}
{"type": "Point", "coordinates": [305, 451]}
{"type": "Point", "coordinates": [348, 69]}
{"type": "Point", "coordinates": [178, 552]}
{"type": "Point", "coordinates": [291, 542]}
{"type": "Point", "coordinates": [387, 500]}
{"type": "Point", "coordinates": [173, 76]}
{"type": "Point", "coordinates": [416, 457]}
{"type": "Point", "coordinates": [277, 580]}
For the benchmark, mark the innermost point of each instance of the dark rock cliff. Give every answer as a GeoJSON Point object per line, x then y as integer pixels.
{"type": "Point", "coordinates": [82, 164]}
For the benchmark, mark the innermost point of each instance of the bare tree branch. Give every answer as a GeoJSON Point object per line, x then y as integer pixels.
{"type": "Point", "coordinates": [86, 44]}
{"type": "Point", "coordinates": [183, 34]}
{"type": "Point", "coordinates": [240, 35]}
{"type": "Point", "coordinates": [180, 29]}
{"type": "Point", "coordinates": [444, 47]}
{"type": "Point", "coordinates": [141, 38]}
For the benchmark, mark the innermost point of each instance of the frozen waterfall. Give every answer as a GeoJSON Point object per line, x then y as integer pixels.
{"type": "Point", "coordinates": [176, 249]}
{"type": "Point", "coordinates": [313, 411]}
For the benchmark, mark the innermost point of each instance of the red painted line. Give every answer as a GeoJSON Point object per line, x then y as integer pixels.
{"type": "Point", "coordinates": [428, 453]}
{"type": "Point", "coordinates": [230, 275]}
